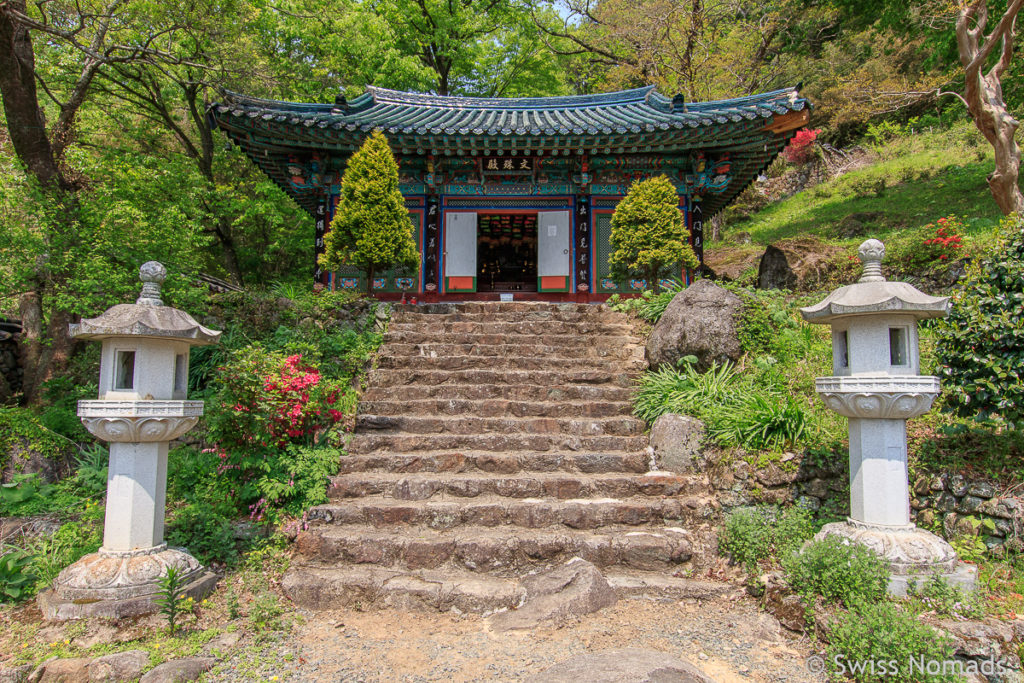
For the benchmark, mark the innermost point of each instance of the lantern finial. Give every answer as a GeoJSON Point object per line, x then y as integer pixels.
{"type": "Point", "coordinates": [152, 274]}
{"type": "Point", "coordinates": [871, 254]}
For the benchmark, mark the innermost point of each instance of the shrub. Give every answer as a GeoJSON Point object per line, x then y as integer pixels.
{"type": "Point", "coordinates": [15, 576]}
{"type": "Point", "coordinates": [879, 642]}
{"type": "Point", "coordinates": [648, 234]}
{"type": "Point", "coordinates": [192, 477]}
{"type": "Point", "coordinates": [800, 149]}
{"type": "Point", "coordinates": [837, 570]}
{"type": "Point", "coordinates": [754, 534]}
{"type": "Point", "coordinates": [930, 245]}
{"type": "Point", "coordinates": [980, 345]}
{"type": "Point", "coordinates": [941, 597]}
{"type": "Point", "coordinates": [648, 305]}
{"type": "Point", "coordinates": [269, 405]}
{"type": "Point", "coordinates": [204, 532]}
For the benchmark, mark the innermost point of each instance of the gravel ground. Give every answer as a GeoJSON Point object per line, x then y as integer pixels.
{"type": "Point", "coordinates": [727, 637]}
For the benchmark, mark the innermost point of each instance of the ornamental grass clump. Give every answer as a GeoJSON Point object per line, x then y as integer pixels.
{"type": "Point", "coordinates": [737, 412]}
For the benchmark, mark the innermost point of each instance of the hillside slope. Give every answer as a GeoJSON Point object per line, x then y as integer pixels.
{"type": "Point", "coordinates": [906, 184]}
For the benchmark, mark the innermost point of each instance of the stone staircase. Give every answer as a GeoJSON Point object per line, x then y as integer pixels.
{"type": "Point", "coordinates": [494, 440]}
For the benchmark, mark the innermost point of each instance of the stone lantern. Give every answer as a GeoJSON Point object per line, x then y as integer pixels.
{"type": "Point", "coordinates": [877, 385]}
{"type": "Point", "coordinates": [142, 406]}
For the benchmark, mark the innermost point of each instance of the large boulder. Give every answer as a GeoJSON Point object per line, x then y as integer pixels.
{"type": "Point", "coordinates": [119, 666]}
{"type": "Point", "coordinates": [798, 263]}
{"type": "Point", "coordinates": [676, 442]}
{"type": "Point", "coordinates": [179, 670]}
{"type": "Point", "coordinates": [630, 665]}
{"type": "Point", "coordinates": [702, 321]}
{"type": "Point", "coordinates": [574, 589]}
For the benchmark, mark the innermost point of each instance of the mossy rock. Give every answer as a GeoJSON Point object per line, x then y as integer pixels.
{"type": "Point", "coordinates": [26, 447]}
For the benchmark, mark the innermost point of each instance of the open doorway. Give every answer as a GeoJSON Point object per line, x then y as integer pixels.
{"type": "Point", "coordinates": [507, 252]}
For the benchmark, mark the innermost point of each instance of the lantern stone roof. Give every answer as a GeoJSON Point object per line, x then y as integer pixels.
{"type": "Point", "coordinates": [752, 130]}
{"type": "Point", "coordinates": [873, 294]}
{"type": "Point", "coordinates": [147, 317]}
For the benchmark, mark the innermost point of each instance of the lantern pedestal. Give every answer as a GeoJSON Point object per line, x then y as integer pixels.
{"type": "Point", "coordinates": [914, 555]}
{"type": "Point", "coordinates": [141, 408]}
{"type": "Point", "coordinates": [120, 584]}
{"type": "Point", "coordinates": [122, 579]}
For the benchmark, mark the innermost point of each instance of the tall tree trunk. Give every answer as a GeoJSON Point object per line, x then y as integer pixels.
{"type": "Point", "coordinates": [30, 309]}
{"type": "Point", "coordinates": [369, 279]}
{"type": "Point", "coordinates": [26, 124]}
{"type": "Point", "coordinates": [983, 94]}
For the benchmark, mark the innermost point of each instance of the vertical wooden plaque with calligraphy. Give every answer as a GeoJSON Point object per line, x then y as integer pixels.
{"type": "Point", "coordinates": [432, 245]}
{"type": "Point", "coordinates": [319, 276]}
{"type": "Point", "coordinates": [697, 231]}
{"type": "Point", "coordinates": [583, 244]}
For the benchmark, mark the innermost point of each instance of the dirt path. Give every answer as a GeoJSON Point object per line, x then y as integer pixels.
{"type": "Point", "coordinates": [727, 637]}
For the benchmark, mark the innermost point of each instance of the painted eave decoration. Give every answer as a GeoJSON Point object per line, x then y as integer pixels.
{"type": "Point", "coordinates": [748, 131]}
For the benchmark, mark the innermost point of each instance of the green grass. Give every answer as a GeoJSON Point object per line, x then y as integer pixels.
{"type": "Point", "coordinates": [921, 178]}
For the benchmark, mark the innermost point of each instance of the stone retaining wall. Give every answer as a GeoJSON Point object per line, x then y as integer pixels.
{"type": "Point", "coordinates": [948, 504]}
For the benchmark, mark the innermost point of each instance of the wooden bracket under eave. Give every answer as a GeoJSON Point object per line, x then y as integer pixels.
{"type": "Point", "coordinates": [791, 121]}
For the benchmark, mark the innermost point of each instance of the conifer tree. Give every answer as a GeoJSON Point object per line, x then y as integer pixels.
{"type": "Point", "coordinates": [371, 229]}
{"type": "Point", "coordinates": [648, 233]}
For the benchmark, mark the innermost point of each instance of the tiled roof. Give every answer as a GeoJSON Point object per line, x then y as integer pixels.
{"type": "Point", "coordinates": [638, 121]}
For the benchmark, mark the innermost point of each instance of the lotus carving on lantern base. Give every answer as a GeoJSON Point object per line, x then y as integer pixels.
{"type": "Point", "coordinates": [892, 397]}
{"type": "Point", "coordinates": [139, 421]}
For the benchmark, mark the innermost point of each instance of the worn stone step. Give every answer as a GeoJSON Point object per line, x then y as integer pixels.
{"type": "Point", "coordinates": [561, 485]}
{"type": "Point", "coordinates": [366, 586]}
{"type": "Point", "coordinates": [384, 377]}
{"type": "Point", "coordinates": [572, 315]}
{"type": "Point", "coordinates": [495, 463]}
{"type": "Point", "coordinates": [363, 443]}
{"type": "Point", "coordinates": [369, 587]}
{"type": "Point", "coordinates": [494, 549]}
{"type": "Point", "coordinates": [509, 310]}
{"type": "Point", "coordinates": [506, 392]}
{"type": "Point", "coordinates": [532, 513]}
{"type": "Point", "coordinates": [469, 425]}
{"type": "Point", "coordinates": [524, 327]}
{"type": "Point", "coordinates": [498, 363]}
{"type": "Point", "coordinates": [597, 349]}
{"type": "Point", "coordinates": [403, 336]}
{"type": "Point", "coordinates": [495, 408]}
